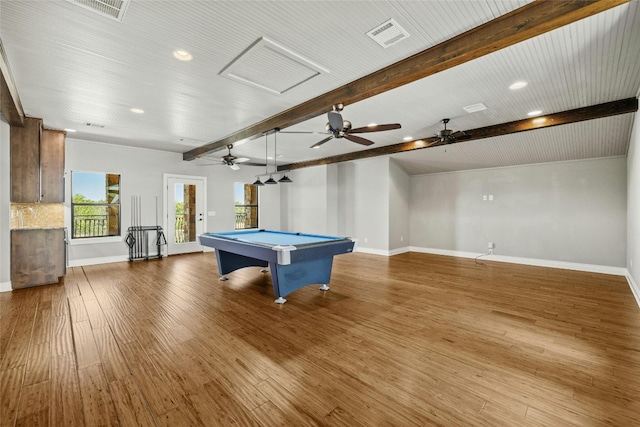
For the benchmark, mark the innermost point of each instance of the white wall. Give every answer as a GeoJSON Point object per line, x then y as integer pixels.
{"type": "Point", "coordinates": [307, 202]}
{"type": "Point", "coordinates": [633, 206]}
{"type": "Point", "coordinates": [363, 196]}
{"type": "Point", "coordinates": [399, 197]}
{"type": "Point", "coordinates": [5, 206]}
{"type": "Point", "coordinates": [142, 173]}
{"type": "Point", "coordinates": [569, 211]}
{"type": "Point", "coordinates": [365, 199]}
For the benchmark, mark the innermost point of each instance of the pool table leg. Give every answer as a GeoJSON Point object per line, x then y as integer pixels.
{"type": "Point", "coordinates": [324, 287]}
{"type": "Point", "coordinates": [280, 300]}
{"type": "Point", "coordinates": [223, 278]}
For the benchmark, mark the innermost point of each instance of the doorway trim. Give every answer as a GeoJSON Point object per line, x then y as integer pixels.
{"type": "Point", "coordinates": [165, 199]}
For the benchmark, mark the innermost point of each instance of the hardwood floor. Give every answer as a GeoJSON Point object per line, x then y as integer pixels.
{"type": "Point", "coordinates": [413, 339]}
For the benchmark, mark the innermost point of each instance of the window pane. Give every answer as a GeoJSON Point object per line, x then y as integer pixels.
{"type": "Point", "coordinates": [89, 187]}
{"type": "Point", "coordinates": [185, 211]}
{"type": "Point", "coordinates": [96, 221]}
{"type": "Point", "coordinates": [246, 205]}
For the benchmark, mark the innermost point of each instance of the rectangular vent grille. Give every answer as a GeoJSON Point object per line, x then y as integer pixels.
{"type": "Point", "coordinates": [388, 33]}
{"type": "Point", "coordinates": [113, 9]}
{"type": "Point", "coordinates": [475, 107]}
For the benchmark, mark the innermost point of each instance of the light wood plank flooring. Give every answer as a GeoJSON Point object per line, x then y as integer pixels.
{"type": "Point", "coordinates": [409, 340]}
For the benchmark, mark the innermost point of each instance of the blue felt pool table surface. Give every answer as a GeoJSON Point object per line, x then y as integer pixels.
{"type": "Point", "coordinates": [276, 238]}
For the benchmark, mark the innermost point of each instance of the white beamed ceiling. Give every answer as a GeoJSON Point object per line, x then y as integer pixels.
{"type": "Point", "coordinates": [72, 67]}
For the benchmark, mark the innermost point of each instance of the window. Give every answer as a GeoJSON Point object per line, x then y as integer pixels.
{"type": "Point", "coordinates": [246, 196]}
{"type": "Point", "coordinates": [95, 205]}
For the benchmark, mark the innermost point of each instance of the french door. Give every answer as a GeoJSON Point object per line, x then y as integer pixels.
{"type": "Point", "coordinates": [185, 213]}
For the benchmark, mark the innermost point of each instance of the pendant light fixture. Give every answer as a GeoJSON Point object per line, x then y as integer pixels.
{"type": "Point", "coordinates": [285, 179]}
{"type": "Point", "coordinates": [272, 181]}
{"type": "Point", "coordinates": [258, 182]}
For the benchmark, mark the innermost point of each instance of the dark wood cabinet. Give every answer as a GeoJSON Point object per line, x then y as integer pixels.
{"type": "Point", "coordinates": [25, 161]}
{"type": "Point", "coordinates": [37, 163]}
{"type": "Point", "coordinates": [52, 166]}
{"type": "Point", "coordinates": [38, 257]}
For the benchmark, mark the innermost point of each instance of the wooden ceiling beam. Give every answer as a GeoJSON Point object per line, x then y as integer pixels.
{"type": "Point", "coordinates": [599, 111]}
{"type": "Point", "coordinates": [10, 104]}
{"type": "Point", "coordinates": [529, 21]}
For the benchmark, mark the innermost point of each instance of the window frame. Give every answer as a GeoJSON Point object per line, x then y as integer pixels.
{"type": "Point", "coordinates": [118, 204]}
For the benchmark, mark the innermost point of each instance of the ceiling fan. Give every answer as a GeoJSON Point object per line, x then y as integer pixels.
{"type": "Point", "coordinates": [337, 127]}
{"type": "Point", "coordinates": [232, 161]}
{"type": "Point", "coordinates": [447, 136]}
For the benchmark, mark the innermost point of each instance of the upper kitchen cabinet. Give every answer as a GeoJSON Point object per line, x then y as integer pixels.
{"type": "Point", "coordinates": [52, 166]}
{"type": "Point", "coordinates": [37, 163]}
{"type": "Point", "coordinates": [25, 161]}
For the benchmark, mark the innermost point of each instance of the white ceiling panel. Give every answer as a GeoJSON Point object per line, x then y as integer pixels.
{"type": "Point", "coordinates": [73, 66]}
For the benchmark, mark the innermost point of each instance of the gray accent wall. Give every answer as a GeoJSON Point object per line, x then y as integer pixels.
{"type": "Point", "coordinates": [568, 211]}
{"type": "Point", "coordinates": [633, 204]}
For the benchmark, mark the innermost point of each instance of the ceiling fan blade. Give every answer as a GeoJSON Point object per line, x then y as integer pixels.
{"type": "Point", "coordinates": [376, 128]}
{"type": "Point", "coordinates": [319, 143]}
{"type": "Point", "coordinates": [358, 139]}
{"type": "Point", "coordinates": [241, 159]}
{"type": "Point", "coordinates": [254, 164]}
{"type": "Point", "coordinates": [234, 167]}
{"type": "Point", "coordinates": [335, 120]}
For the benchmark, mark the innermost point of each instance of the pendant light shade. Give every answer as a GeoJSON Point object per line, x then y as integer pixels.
{"type": "Point", "coordinates": [270, 181]}
{"type": "Point", "coordinates": [258, 182]}
{"type": "Point", "coordinates": [285, 179]}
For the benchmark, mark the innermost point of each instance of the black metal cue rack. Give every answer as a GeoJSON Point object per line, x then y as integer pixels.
{"type": "Point", "coordinates": [138, 241]}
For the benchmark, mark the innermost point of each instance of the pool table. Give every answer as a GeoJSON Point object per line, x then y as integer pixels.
{"type": "Point", "coordinates": [295, 259]}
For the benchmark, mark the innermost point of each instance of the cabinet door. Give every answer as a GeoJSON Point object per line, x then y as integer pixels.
{"type": "Point", "coordinates": [37, 257]}
{"type": "Point", "coordinates": [52, 166]}
{"type": "Point", "coordinates": [25, 161]}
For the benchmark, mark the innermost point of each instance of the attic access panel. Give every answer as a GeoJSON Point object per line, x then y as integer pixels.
{"type": "Point", "coordinates": [271, 67]}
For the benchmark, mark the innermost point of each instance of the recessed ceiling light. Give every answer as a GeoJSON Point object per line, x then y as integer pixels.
{"type": "Point", "coordinates": [539, 120]}
{"type": "Point", "coordinates": [137, 110]}
{"type": "Point", "coordinates": [407, 138]}
{"type": "Point", "coordinates": [69, 130]}
{"type": "Point", "coordinates": [534, 113]}
{"type": "Point", "coordinates": [270, 157]}
{"type": "Point", "coordinates": [518, 85]}
{"type": "Point", "coordinates": [182, 55]}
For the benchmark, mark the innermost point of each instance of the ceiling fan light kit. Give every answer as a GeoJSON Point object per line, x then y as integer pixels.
{"type": "Point", "coordinates": [338, 128]}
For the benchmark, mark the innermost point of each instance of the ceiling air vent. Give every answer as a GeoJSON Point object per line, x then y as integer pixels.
{"type": "Point", "coordinates": [388, 33]}
{"type": "Point", "coordinates": [475, 107]}
{"type": "Point", "coordinates": [94, 125]}
{"type": "Point", "coordinates": [113, 9]}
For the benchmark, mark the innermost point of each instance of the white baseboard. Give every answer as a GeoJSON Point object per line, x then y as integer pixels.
{"type": "Point", "coordinates": [635, 289]}
{"type": "Point", "coordinates": [605, 269]}
{"type": "Point", "coordinates": [5, 287]}
{"type": "Point", "coordinates": [382, 251]}
{"type": "Point", "coordinates": [95, 261]}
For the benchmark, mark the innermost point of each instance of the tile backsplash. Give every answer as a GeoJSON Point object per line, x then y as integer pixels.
{"type": "Point", "coordinates": [37, 215]}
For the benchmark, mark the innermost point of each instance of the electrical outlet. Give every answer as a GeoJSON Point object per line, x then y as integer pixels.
{"type": "Point", "coordinates": [365, 240]}
{"type": "Point", "coordinates": [491, 197]}
{"type": "Point", "coordinates": [484, 197]}
{"type": "Point", "coordinates": [402, 238]}
{"type": "Point", "coordinates": [491, 245]}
